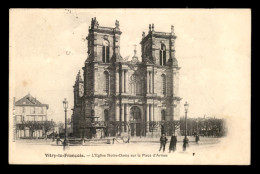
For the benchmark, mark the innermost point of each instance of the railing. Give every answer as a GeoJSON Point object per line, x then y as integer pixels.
{"type": "Point", "coordinates": [132, 128]}
{"type": "Point", "coordinates": [214, 127]}
{"type": "Point", "coordinates": [106, 28]}
{"type": "Point", "coordinates": [162, 33]}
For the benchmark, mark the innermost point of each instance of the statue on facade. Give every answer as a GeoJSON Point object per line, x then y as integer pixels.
{"type": "Point", "coordinates": [117, 24]}
{"type": "Point", "coordinates": [94, 23]}
{"type": "Point", "coordinates": [172, 29]}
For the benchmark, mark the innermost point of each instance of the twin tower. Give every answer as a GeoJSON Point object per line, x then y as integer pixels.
{"type": "Point", "coordinates": [116, 89]}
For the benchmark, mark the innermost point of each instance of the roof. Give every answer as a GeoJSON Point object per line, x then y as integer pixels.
{"type": "Point", "coordinates": [29, 100]}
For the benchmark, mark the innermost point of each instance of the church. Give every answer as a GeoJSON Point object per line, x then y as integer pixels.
{"type": "Point", "coordinates": [114, 89]}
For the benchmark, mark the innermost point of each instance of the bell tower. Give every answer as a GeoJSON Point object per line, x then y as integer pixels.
{"type": "Point", "coordinates": [161, 67]}
{"type": "Point", "coordinates": [158, 47]}
{"type": "Point", "coordinates": [78, 89]}
{"type": "Point", "coordinates": [100, 79]}
{"type": "Point", "coordinates": [103, 42]}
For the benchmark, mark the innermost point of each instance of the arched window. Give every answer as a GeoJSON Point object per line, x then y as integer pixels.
{"type": "Point", "coordinates": [135, 85]}
{"type": "Point", "coordinates": [92, 113]}
{"type": "Point", "coordinates": [106, 117]}
{"type": "Point", "coordinates": [163, 55]}
{"type": "Point", "coordinates": [135, 113]}
{"type": "Point", "coordinates": [106, 82]}
{"type": "Point", "coordinates": [105, 51]}
{"type": "Point", "coordinates": [164, 84]}
{"type": "Point", "coordinates": [163, 115]}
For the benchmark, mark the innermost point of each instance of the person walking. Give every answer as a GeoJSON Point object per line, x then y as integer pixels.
{"type": "Point", "coordinates": [173, 142]}
{"type": "Point", "coordinates": [197, 138]}
{"type": "Point", "coordinates": [163, 141]}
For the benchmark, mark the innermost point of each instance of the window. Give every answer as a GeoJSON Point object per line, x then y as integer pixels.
{"type": "Point", "coordinates": [164, 84]}
{"type": "Point", "coordinates": [105, 51]}
{"type": "Point", "coordinates": [41, 110]}
{"type": "Point", "coordinates": [36, 110]}
{"type": "Point", "coordinates": [106, 117]}
{"type": "Point", "coordinates": [163, 55]}
{"type": "Point", "coordinates": [135, 85]}
{"type": "Point", "coordinates": [18, 119]}
{"type": "Point", "coordinates": [92, 113]}
{"type": "Point", "coordinates": [135, 113]}
{"type": "Point", "coordinates": [30, 118]}
{"type": "Point", "coordinates": [32, 110]}
{"type": "Point", "coordinates": [106, 82]}
{"type": "Point", "coordinates": [23, 110]}
{"type": "Point", "coordinates": [163, 115]}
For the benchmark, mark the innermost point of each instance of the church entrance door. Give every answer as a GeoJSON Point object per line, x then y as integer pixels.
{"type": "Point", "coordinates": [135, 113]}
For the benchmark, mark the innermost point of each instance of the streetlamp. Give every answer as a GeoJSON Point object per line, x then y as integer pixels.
{"type": "Point", "coordinates": [65, 105]}
{"type": "Point", "coordinates": [197, 126]}
{"type": "Point", "coordinates": [53, 137]}
{"type": "Point", "coordinates": [185, 140]}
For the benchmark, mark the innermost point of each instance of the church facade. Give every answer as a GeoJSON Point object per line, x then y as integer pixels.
{"type": "Point", "coordinates": [114, 89]}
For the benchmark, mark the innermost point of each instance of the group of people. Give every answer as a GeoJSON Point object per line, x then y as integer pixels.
{"type": "Point", "coordinates": [163, 141]}
{"type": "Point", "coordinates": [173, 142]}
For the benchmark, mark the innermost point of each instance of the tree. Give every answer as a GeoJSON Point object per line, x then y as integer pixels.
{"type": "Point", "coordinates": [206, 126]}
{"type": "Point", "coordinates": [48, 125]}
{"type": "Point", "coordinates": [32, 125]}
{"type": "Point", "coordinates": [60, 125]}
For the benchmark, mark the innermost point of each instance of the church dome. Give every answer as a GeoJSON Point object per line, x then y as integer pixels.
{"type": "Point", "coordinates": [134, 58]}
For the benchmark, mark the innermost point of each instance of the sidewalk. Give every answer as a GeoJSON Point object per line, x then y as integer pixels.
{"type": "Point", "coordinates": [203, 140]}
{"type": "Point", "coordinates": [133, 140]}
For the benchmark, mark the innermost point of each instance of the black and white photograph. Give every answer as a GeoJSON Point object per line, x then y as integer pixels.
{"type": "Point", "coordinates": [130, 86]}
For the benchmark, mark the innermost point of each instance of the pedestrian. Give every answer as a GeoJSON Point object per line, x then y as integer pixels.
{"type": "Point", "coordinates": [185, 143]}
{"type": "Point", "coordinates": [197, 138]}
{"type": "Point", "coordinates": [163, 141]}
{"type": "Point", "coordinates": [173, 142]}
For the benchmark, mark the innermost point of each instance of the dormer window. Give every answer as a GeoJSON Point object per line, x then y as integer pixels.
{"type": "Point", "coordinates": [105, 51]}
{"type": "Point", "coordinates": [163, 55]}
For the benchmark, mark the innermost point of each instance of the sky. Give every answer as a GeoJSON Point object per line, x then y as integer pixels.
{"type": "Point", "coordinates": [48, 47]}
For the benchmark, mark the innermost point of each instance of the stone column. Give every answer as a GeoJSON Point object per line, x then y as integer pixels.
{"type": "Point", "coordinates": [172, 51]}
{"type": "Point", "coordinates": [123, 117]}
{"type": "Point", "coordinates": [95, 80]}
{"type": "Point", "coordinates": [117, 112]}
{"type": "Point", "coordinates": [126, 81]}
{"type": "Point", "coordinates": [147, 117]}
{"type": "Point", "coordinates": [126, 113]}
{"type": "Point", "coordinates": [117, 81]}
{"type": "Point", "coordinates": [123, 81]}
{"type": "Point", "coordinates": [152, 82]}
{"type": "Point", "coordinates": [148, 84]}
{"type": "Point", "coordinates": [126, 116]}
{"type": "Point", "coordinates": [152, 115]}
